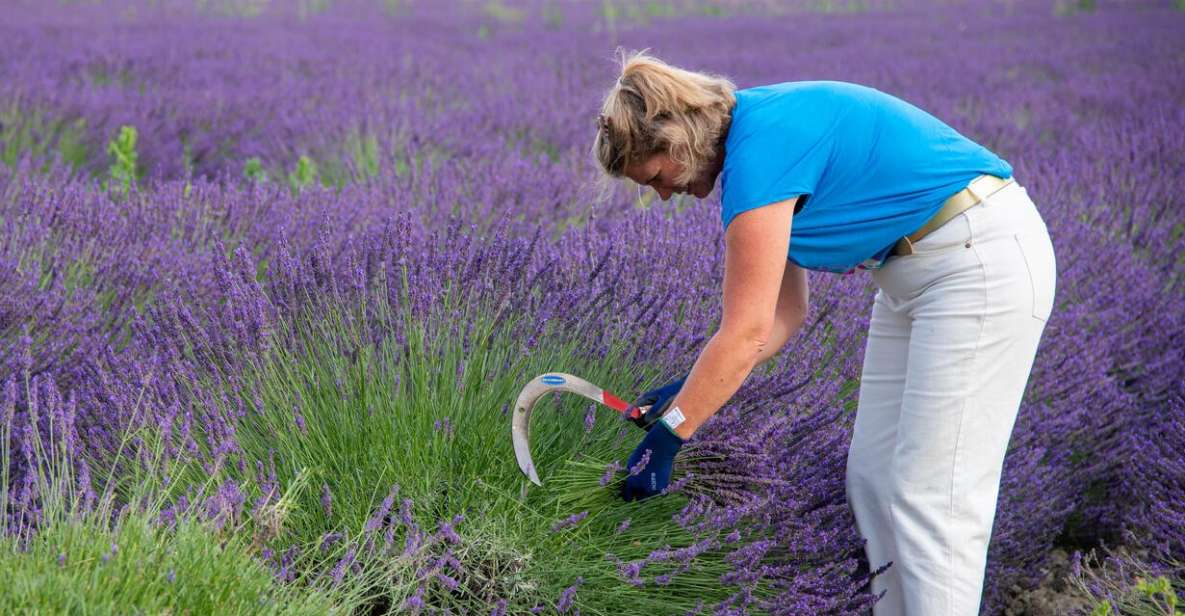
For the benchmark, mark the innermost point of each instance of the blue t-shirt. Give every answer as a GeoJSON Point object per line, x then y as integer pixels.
{"type": "Point", "coordinates": [872, 167]}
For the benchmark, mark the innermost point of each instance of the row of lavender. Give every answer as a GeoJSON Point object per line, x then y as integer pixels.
{"type": "Point", "coordinates": [1069, 99]}
{"type": "Point", "coordinates": [1059, 450]}
{"type": "Point", "coordinates": [90, 278]}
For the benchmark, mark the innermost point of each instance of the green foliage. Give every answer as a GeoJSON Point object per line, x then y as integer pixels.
{"type": "Point", "coordinates": [81, 566]}
{"type": "Point", "coordinates": [1147, 598]}
{"type": "Point", "coordinates": [660, 9]}
{"type": "Point", "coordinates": [1158, 591]}
{"type": "Point", "coordinates": [70, 144]}
{"type": "Point", "coordinates": [232, 8]}
{"type": "Point", "coordinates": [553, 15]}
{"type": "Point", "coordinates": [357, 160]}
{"type": "Point", "coordinates": [841, 6]}
{"type": "Point", "coordinates": [394, 7]}
{"type": "Point", "coordinates": [303, 175]}
{"type": "Point", "coordinates": [364, 150]}
{"type": "Point", "coordinates": [525, 140]}
{"type": "Point", "coordinates": [31, 131]}
{"type": "Point", "coordinates": [1116, 582]}
{"type": "Point", "coordinates": [102, 75]}
{"type": "Point", "coordinates": [309, 8]}
{"type": "Point", "coordinates": [644, 12]}
{"type": "Point", "coordinates": [1070, 7]}
{"type": "Point", "coordinates": [429, 415]}
{"type": "Point", "coordinates": [401, 166]}
{"type": "Point", "coordinates": [503, 13]}
{"type": "Point", "coordinates": [253, 170]}
{"type": "Point", "coordinates": [610, 11]}
{"type": "Point", "coordinates": [122, 150]}
{"type": "Point", "coordinates": [117, 559]}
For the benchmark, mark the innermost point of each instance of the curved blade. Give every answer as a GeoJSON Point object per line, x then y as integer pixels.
{"type": "Point", "coordinates": [537, 388]}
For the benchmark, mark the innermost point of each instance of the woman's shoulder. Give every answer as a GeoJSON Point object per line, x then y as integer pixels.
{"type": "Point", "coordinates": [799, 98]}
{"type": "Point", "coordinates": [792, 108]}
{"type": "Point", "coordinates": [797, 89]}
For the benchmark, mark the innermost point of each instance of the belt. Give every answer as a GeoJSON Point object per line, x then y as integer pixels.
{"type": "Point", "coordinates": [979, 189]}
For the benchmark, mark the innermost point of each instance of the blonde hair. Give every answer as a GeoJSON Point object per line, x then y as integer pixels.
{"type": "Point", "coordinates": [657, 108]}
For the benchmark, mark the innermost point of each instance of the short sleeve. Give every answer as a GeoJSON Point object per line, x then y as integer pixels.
{"type": "Point", "coordinates": [770, 162]}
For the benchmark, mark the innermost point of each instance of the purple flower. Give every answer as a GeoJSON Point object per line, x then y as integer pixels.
{"type": "Point", "coordinates": [329, 539]}
{"type": "Point", "coordinates": [415, 602]}
{"type": "Point", "coordinates": [376, 521]}
{"type": "Point", "coordinates": [449, 582]}
{"type": "Point", "coordinates": [568, 597]}
{"type": "Point", "coordinates": [610, 470]}
{"type": "Point", "coordinates": [326, 500]}
{"type": "Point", "coordinates": [339, 570]}
{"type": "Point", "coordinates": [447, 532]}
{"type": "Point", "coordinates": [636, 469]}
{"type": "Point", "coordinates": [300, 424]}
{"type": "Point", "coordinates": [571, 520]}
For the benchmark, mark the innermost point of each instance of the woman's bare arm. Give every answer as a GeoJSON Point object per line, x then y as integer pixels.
{"type": "Point", "coordinates": [793, 302]}
{"type": "Point", "coordinates": [756, 244]}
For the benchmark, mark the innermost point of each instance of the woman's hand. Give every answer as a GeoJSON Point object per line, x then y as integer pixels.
{"type": "Point", "coordinates": [658, 400]}
{"type": "Point", "coordinates": [650, 464]}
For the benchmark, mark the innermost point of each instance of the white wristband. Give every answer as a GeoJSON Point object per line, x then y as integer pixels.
{"type": "Point", "coordinates": [673, 417]}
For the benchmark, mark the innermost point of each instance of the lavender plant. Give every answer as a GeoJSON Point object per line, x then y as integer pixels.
{"type": "Point", "coordinates": [79, 550]}
{"type": "Point", "coordinates": [1119, 582]}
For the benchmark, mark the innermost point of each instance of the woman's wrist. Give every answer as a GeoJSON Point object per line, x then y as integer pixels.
{"type": "Point", "coordinates": [672, 420]}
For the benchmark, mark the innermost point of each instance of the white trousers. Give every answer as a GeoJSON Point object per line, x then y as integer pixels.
{"type": "Point", "coordinates": [953, 335]}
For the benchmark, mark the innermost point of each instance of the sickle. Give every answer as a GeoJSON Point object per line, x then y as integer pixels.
{"type": "Point", "coordinates": [544, 384]}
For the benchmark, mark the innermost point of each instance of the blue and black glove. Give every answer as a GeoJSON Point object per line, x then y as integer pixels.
{"type": "Point", "coordinates": [658, 400]}
{"type": "Point", "coordinates": [663, 444]}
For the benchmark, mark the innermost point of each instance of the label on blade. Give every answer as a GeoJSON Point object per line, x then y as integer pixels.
{"type": "Point", "coordinates": [552, 379]}
{"type": "Point", "coordinates": [673, 417]}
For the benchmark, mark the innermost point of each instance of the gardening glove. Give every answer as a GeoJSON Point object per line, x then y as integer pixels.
{"type": "Point", "coordinates": [658, 400]}
{"type": "Point", "coordinates": [662, 444]}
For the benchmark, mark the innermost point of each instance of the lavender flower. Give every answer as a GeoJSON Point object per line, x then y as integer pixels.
{"type": "Point", "coordinates": [326, 500]}
{"type": "Point", "coordinates": [568, 596]}
{"type": "Point", "coordinates": [641, 464]}
{"type": "Point", "coordinates": [610, 470]}
{"type": "Point", "coordinates": [571, 520]}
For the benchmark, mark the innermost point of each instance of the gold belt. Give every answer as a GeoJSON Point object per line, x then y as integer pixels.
{"type": "Point", "coordinates": [979, 189]}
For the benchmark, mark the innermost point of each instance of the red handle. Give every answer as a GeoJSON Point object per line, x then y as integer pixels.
{"type": "Point", "coordinates": [614, 402]}
{"type": "Point", "coordinates": [625, 408]}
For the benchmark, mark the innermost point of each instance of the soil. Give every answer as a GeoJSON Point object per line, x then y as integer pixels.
{"type": "Point", "coordinates": [1053, 596]}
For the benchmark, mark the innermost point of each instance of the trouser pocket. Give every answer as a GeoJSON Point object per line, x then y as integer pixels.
{"type": "Point", "coordinates": [1037, 250]}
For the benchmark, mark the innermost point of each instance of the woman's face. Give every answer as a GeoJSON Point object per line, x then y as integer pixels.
{"type": "Point", "coordinates": [659, 172]}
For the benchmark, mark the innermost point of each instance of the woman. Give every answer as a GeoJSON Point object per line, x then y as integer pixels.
{"type": "Point", "coordinates": [834, 177]}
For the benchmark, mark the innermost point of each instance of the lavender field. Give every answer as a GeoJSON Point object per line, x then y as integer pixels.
{"type": "Point", "coordinates": [272, 274]}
